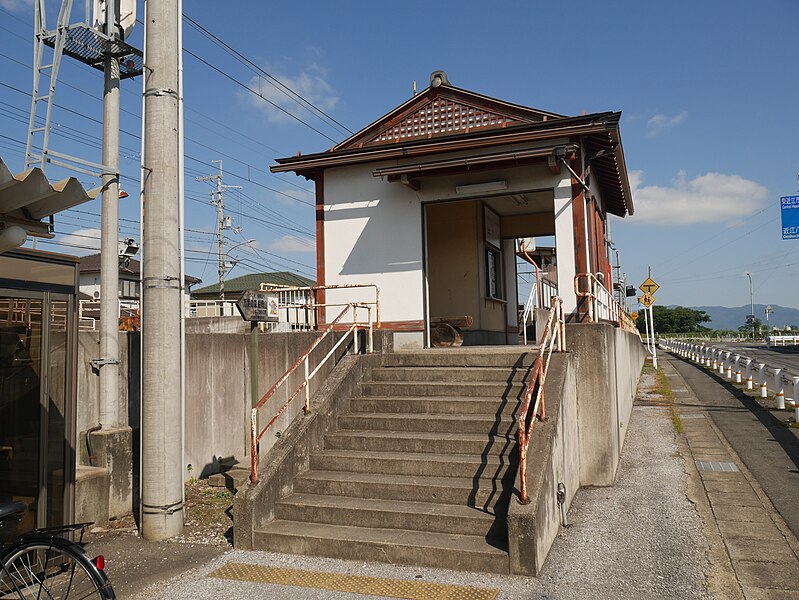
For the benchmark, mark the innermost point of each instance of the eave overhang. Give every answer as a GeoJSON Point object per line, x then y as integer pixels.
{"type": "Point", "coordinates": [598, 135]}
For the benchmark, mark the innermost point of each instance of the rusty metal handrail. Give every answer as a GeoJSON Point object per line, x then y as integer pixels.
{"type": "Point", "coordinates": [602, 306]}
{"type": "Point", "coordinates": [554, 333]}
{"type": "Point", "coordinates": [256, 436]}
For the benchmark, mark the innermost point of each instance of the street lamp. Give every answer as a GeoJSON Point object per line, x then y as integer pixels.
{"type": "Point", "coordinates": [223, 267]}
{"type": "Point", "coordinates": [751, 304]}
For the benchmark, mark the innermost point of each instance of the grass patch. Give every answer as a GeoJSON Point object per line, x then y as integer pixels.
{"type": "Point", "coordinates": [663, 388]}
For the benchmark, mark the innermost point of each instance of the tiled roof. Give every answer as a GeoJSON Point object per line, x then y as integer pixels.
{"type": "Point", "coordinates": [252, 281]}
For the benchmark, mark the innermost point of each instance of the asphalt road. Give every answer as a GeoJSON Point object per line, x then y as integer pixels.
{"type": "Point", "coordinates": [768, 448]}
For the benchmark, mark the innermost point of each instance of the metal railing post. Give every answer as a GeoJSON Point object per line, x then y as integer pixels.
{"type": "Point", "coordinates": [748, 373]}
{"type": "Point", "coordinates": [307, 408]}
{"type": "Point", "coordinates": [737, 368]}
{"type": "Point", "coordinates": [795, 390]}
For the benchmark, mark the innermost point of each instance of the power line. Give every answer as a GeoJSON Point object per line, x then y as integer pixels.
{"type": "Point", "coordinates": [275, 82]}
{"type": "Point", "coordinates": [256, 93]}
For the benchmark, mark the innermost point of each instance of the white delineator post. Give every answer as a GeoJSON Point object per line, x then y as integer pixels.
{"type": "Point", "coordinates": [779, 390]}
{"type": "Point", "coordinates": [795, 390]}
{"type": "Point", "coordinates": [761, 377]}
{"type": "Point", "coordinates": [728, 364]}
{"type": "Point", "coordinates": [748, 373]}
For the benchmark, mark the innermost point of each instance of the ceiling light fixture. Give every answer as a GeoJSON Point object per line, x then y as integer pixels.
{"type": "Point", "coordinates": [478, 188]}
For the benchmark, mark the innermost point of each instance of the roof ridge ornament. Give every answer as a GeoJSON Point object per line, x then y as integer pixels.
{"type": "Point", "coordinates": [439, 78]}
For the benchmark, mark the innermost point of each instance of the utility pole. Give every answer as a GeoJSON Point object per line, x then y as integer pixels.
{"type": "Point", "coordinates": [109, 242]}
{"type": "Point", "coordinates": [162, 511]}
{"type": "Point", "coordinates": [222, 223]}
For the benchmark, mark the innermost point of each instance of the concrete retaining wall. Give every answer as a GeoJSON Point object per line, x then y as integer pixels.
{"type": "Point", "coordinates": [589, 396]}
{"type": "Point", "coordinates": [553, 457]}
{"type": "Point", "coordinates": [218, 400]}
{"type": "Point", "coordinates": [608, 363]}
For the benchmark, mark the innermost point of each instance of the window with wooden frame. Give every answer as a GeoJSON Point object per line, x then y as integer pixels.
{"type": "Point", "coordinates": [493, 255]}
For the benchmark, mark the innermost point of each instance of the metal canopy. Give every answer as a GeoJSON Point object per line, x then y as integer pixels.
{"type": "Point", "coordinates": [89, 46]}
{"type": "Point", "coordinates": [28, 197]}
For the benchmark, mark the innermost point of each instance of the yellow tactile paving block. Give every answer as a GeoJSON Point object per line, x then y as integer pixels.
{"type": "Point", "coordinates": [355, 584]}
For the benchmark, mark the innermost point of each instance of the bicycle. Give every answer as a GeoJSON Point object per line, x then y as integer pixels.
{"type": "Point", "coordinates": [44, 565]}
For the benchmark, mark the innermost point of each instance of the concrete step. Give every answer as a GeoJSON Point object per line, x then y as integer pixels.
{"type": "Point", "coordinates": [486, 494]}
{"type": "Point", "coordinates": [513, 391]}
{"type": "Point", "coordinates": [231, 479]}
{"type": "Point", "coordinates": [491, 356]}
{"type": "Point", "coordinates": [436, 405]}
{"type": "Point", "coordinates": [487, 424]}
{"type": "Point", "coordinates": [420, 442]}
{"type": "Point", "coordinates": [451, 374]}
{"type": "Point", "coordinates": [491, 467]}
{"type": "Point", "coordinates": [390, 514]}
{"type": "Point", "coordinates": [439, 550]}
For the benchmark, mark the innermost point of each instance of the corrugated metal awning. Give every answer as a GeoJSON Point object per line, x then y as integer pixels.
{"type": "Point", "coordinates": [29, 197]}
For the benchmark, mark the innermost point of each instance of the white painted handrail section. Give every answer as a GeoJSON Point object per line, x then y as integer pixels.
{"type": "Point", "coordinates": [740, 369]}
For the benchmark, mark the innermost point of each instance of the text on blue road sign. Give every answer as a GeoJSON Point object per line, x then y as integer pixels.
{"type": "Point", "coordinates": [789, 206]}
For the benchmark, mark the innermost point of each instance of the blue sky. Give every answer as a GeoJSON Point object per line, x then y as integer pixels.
{"type": "Point", "coordinates": [707, 89]}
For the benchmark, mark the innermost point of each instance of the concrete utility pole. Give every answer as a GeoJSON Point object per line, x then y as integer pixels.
{"type": "Point", "coordinates": [109, 243]}
{"type": "Point", "coordinates": [221, 224]}
{"type": "Point", "coordinates": [162, 288]}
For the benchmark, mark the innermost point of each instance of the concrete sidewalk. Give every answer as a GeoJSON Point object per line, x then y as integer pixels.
{"type": "Point", "coordinates": [753, 553]}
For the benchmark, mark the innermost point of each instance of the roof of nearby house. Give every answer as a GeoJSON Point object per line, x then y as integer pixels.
{"type": "Point", "coordinates": [252, 281]}
{"type": "Point", "coordinates": [91, 264]}
{"type": "Point", "coordinates": [444, 118]}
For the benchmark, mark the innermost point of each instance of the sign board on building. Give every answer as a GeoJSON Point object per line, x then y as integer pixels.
{"type": "Point", "coordinates": [258, 306]}
{"type": "Point", "coordinates": [789, 206]}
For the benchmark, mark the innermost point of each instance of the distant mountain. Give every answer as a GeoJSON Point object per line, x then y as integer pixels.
{"type": "Point", "coordinates": [724, 317]}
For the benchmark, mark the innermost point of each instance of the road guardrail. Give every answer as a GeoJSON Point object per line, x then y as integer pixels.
{"type": "Point", "coordinates": [740, 369]}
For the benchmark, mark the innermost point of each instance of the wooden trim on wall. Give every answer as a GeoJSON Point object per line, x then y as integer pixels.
{"type": "Point", "coordinates": [319, 182]}
{"type": "Point", "coordinates": [578, 222]}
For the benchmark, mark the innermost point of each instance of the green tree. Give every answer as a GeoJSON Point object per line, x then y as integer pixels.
{"type": "Point", "coordinates": [747, 327]}
{"type": "Point", "coordinates": [675, 320]}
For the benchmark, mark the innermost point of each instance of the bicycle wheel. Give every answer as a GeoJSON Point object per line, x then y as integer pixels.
{"type": "Point", "coordinates": [50, 569]}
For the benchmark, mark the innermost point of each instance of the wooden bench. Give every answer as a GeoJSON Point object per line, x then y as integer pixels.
{"type": "Point", "coordinates": [445, 332]}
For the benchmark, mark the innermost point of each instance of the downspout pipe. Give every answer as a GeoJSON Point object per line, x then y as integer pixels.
{"type": "Point", "coordinates": [89, 448]}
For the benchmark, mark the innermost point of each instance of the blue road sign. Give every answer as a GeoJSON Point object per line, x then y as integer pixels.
{"type": "Point", "coordinates": [790, 217]}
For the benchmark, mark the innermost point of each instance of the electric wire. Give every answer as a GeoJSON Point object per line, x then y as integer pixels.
{"type": "Point", "coordinates": [275, 82]}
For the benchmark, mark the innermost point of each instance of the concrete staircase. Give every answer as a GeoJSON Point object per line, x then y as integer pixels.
{"type": "Point", "coordinates": [420, 471]}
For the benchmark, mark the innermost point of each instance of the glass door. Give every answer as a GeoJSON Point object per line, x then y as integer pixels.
{"type": "Point", "coordinates": [20, 405]}
{"type": "Point", "coordinates": [35, 404]}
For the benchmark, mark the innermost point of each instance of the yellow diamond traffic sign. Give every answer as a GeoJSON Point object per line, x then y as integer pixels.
{"type": "Point", "coordinates": [647, 299]}
{"type": "Point", "coordinates": [649, 286]}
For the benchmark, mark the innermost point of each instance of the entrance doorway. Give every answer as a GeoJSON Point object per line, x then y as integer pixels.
{"type": "Point", "coordinates": [470, 266]}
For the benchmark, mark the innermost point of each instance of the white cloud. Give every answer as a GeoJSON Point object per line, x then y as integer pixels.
{"type": "Point", "coordinates": [87, 239]}
{"type": "Point", "coordinates": [292, 243]}
{"type": "Point", "coordinates": [289, 196]}
{"type": "Point", "coordinates": [310, 83]}
{"type": "Point", "coordinates": [659, 122]}
{"type": "Point", "coordinates": [16, 5]}
{"type": "Point", "coordinates": [708, 198]}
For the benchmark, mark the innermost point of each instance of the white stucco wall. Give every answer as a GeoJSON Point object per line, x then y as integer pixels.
{"type": "Point", "coordinates": [373, 229]}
